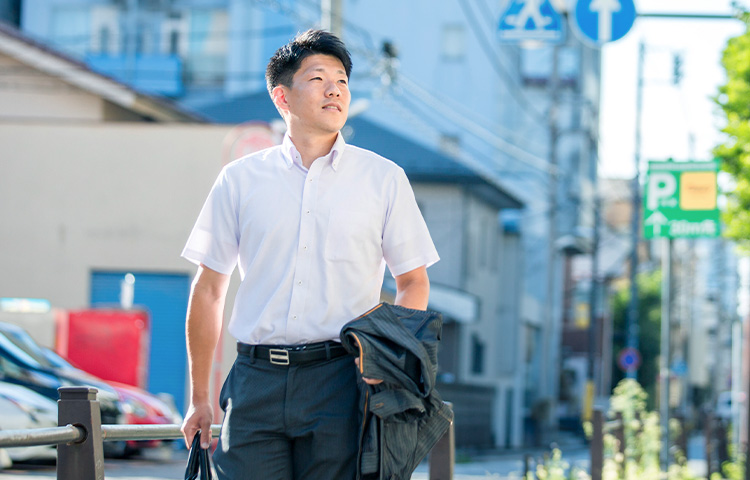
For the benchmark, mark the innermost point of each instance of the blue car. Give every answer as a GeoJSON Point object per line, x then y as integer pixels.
{"type": "Point", "coordinates": [22, 362]}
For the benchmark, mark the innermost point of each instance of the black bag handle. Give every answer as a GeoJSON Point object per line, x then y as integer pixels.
{"type": "Point", "coordinates": [199, 465]}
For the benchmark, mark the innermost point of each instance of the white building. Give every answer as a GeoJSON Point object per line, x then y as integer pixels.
{"type": "Point", "coordinates": [524, 118]}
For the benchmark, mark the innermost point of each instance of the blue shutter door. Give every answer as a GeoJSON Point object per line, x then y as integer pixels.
{"type": "Point", "coordinates": [165, 297]}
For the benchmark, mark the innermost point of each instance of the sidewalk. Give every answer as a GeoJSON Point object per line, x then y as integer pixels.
{"type": "Point", "coordinates": [509, 464]}
{"type": "Point", "coordinates": [496, 465]}
{"type": "Point", "coordinates": [503, 464]}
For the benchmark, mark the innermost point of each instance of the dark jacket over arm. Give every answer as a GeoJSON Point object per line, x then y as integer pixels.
{"type": "Point", "coordinates": [404, 416]}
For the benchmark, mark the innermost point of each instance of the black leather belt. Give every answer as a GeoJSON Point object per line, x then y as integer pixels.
{"type": "Point", "coordinates": [293, 354]}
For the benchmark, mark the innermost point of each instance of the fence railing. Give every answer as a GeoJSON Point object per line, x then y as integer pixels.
{"type": "Point", "coordinates": [80, 436]}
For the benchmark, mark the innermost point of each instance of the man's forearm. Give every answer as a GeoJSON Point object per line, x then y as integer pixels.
{"type": "Point", "coordinates": [413, 289]}
{"type": "Point", "coordinates": [203, 329]}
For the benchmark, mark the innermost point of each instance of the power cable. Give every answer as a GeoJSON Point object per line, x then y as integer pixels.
{"type": "Point", "coordinates": [497, 176]}
{"type": "Point", "coordinates": [477, 130]}
{"type": "Point", "coordinates": [510, 82]}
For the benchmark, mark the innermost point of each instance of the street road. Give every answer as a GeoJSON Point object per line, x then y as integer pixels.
{"type": "Point", "coordinates": [159, 464]}
{"type": "Point", "coordinates": [163, 465]}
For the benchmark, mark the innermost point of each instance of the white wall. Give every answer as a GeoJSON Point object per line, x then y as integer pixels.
{"type": "Point", "coordinates": [85, 196]}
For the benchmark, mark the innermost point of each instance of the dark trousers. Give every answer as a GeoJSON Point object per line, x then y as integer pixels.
{"type": "Point", "coordinates": [289, 422]}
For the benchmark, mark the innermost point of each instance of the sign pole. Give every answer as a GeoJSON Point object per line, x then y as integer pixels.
{"type": "Point", "coordinates": [631, 328]}
{"type": "Point", "coordinates": [666, 304]}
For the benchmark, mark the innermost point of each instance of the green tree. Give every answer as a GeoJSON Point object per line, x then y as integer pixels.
{"type": "Point", "coordinates": [734, 152]}
{"type": "Point", "coordinates": [649, 329]}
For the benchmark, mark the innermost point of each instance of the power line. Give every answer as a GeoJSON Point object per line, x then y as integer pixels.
{"type": "Point", "coordinates": [477, 130]}
{"type": "Point", "coordinates": [510, 82]}
{"type": "Point", "coordinates": [429, 100]}
{"type": "Point", "coordinates": [481, 168]}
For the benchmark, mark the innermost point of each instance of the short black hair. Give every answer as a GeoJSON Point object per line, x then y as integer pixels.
{"type": "Point", "coordinates": [286, 61]}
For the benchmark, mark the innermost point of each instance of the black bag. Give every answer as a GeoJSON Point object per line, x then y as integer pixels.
{"type": "Point", "coordinates": [199, 466]}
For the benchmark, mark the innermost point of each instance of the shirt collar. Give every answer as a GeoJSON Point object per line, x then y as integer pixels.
{"type": "Point", "coordinates": [290, 155]}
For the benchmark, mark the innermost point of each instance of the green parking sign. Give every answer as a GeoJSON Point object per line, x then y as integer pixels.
{"type": "Point", "coordinates": [680, 200]}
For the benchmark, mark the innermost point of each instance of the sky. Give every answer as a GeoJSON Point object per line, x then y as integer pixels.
{"type": "Point", "coordinates": [679, 122]}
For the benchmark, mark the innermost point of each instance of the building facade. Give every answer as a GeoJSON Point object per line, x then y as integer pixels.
{"type": "Point", "coordinates": [522, 115]}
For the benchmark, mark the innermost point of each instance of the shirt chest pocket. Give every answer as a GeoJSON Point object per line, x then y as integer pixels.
{"type": "Point", "coordinates": [352, 236]}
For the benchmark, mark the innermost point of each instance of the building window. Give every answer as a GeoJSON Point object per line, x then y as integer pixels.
{"type": "Point", "coordinates": [536, 65]}
{"type": "Point", "coordinates": [174, 42]}
{"type": "Point", "coordinates": [453, 42]}
{"type": "Point", "coordinates": [450, 144]}
{"type": "Point", "coordinates": [70, 29]}
{"type": "Point", "coordinates": [477, 355]}
{"type": "Point", "coordinates": [105, 25]}
{"type": "Point", "coordinates": [208, 46]}
{"type": "Point", "coordinates": [105, 37]}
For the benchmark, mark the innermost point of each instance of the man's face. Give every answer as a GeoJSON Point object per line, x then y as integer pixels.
{"type": "Point", "coordinates": [318, 100]}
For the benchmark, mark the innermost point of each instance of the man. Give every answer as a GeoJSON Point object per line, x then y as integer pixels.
{"type": "Point", "coordinates": [312, 224]}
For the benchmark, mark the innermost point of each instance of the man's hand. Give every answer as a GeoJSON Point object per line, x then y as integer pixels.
{"type": "Point", "coordinates": [198, 417]}
{"type": "Point", "coordinates": [369, 381]}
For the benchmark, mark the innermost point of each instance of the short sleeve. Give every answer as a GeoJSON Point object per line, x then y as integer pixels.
{"type": "Point", "coordinates": [406, 240]}
{"type": "Point", "coordinates": [214, 240]}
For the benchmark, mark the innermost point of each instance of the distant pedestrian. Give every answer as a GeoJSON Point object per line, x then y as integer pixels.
{"type": "Point", "coordinates": [312, 223]}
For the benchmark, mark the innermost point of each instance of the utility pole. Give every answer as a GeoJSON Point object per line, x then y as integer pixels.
{"type": "Point", "coordinates": [666, 319]}
{"type": "Point", "coordinates": [551, 351]}
{"type": "Point", "coordinates": [631, 329]}
{"type": "Point", "coordinates": [331, 16]}
{"type": "Point", "coordinates": [632, 317]}
{"type": "Point", "coordinates": [631, 321]}
{"type": "Point", "coordinates": [593, 332]}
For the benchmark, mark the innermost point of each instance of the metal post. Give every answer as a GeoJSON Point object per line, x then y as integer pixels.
{"type": "Point", "coordinates": [708, 428]}
{"type": "Point", "coordinates": [442, 456]}
{"type": "Point", "coordinates": [593, 318]}
{"type": "Point", "coordinates": [619, 433]}
{"type": "Point", "coordinates": [331, 17]}
{"type": "Point", "coordinates": [631, 330]}
{"type": "Point", "coordinates": [526, 466]}
{"type": "Point", "coordinates": [737, 386]}
{"type": "Point", "coordinates": [665, 348]}
{"type": "Point", "coordinates": [746, 373]}
{"type": "Point", "coordinates": [597, 445]}
{"type": "Point", "coordinates": [682, 438]}
{"type": "Point", "coordinates": [550, 354]}
{"type": "Point", "coordinates": [83, 460]}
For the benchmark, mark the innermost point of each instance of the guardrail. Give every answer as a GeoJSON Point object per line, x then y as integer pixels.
{"type": "Point", "coordinates": [80, 436]}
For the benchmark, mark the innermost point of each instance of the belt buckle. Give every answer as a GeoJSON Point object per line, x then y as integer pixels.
{"type": "Point", "coordinates": [278, 356]}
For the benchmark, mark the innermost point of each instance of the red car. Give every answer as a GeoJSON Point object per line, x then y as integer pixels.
{"type": "Point", "coordinates": [144, 408]}
{"type": "Point", "coordinates": [140, 407]}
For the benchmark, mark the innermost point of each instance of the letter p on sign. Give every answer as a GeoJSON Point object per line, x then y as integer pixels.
{"type": "Point", "coordinates": [660, 186]}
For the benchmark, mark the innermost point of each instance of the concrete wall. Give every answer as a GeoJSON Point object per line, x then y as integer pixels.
{"type": "Point", "coordinates": [81, 197]}
{"type": "Point", "coordinates": [78, 197]}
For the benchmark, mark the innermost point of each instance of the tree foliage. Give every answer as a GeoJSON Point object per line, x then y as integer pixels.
{"type": "Point", "coordinates": [734, 152]}
{"type": "Point", "coordinates": [649, 329]}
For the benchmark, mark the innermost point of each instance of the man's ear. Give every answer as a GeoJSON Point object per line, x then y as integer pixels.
{"type": "Point", "coordinates": [278, 95]}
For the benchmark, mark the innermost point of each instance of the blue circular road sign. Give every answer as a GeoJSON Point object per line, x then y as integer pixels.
{"type": "Point", "coordinates": [602, 21]}
{"type": "Point", "coordinates": [629, 359]}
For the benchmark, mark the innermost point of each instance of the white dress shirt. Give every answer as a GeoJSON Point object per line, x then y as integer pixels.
{"type": "Point", "coordinates": [311, 245]}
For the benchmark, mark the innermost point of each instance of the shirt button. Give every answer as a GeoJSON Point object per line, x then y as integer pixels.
{"type": "Point", "coordinates": [307, 211]}
{"type": "Point", "coordinates": [294, 317]}
{"type": "Point", "coordinates": [304, 248]}
{"type": "Point", "coordinates": [299, 283]}
{"type": "Point", "coordinates": [310, 180]}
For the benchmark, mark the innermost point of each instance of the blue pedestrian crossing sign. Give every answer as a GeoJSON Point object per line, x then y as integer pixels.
{"type": "Point", "coordinates": [602, 21]}
{"type": "Point", "coordinates": [530, 20]}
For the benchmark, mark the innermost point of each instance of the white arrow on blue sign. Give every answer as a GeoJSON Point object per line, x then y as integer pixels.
{"type": "Point", "coordinates": [602, 21]}
{"type": "Point", "coordinates": [530, 20]}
